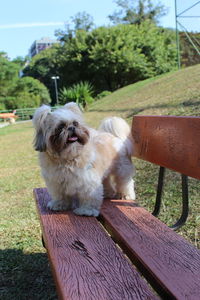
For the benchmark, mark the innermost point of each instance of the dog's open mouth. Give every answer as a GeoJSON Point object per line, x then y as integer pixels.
{"type": "Point", "coordinates": [72, 139]}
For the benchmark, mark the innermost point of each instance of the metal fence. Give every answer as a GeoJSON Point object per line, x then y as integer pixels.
{"type": "Point", "coordinates": [23, 113]}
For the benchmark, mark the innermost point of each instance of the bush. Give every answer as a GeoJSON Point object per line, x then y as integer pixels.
{"type": "Point", "coordinates": [22, 100]}
{"type": "Point", "coordinates": [33, 87]}
{"type": "Point", "coordinates": [9, 102]}
{"type": "Point", "coordinates": [2, 104]}
{"type": "Point", "coordinates": [80, 93]}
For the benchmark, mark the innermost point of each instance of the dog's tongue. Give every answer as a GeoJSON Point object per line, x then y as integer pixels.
{"type": "Point", "coordinates": [72, 139]}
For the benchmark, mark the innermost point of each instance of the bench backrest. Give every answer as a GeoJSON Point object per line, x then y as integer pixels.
{"type": "Point", "coordinates": [169, 141]}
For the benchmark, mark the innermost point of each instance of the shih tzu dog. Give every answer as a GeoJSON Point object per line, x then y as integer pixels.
{"type": "Point", "coordinates": [80, 165]}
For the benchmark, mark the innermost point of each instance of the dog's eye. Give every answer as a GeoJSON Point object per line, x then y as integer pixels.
{"type": "Point", "coordinates": [60, 127]}
{"type": "Point", "coordinates": [75, 123]}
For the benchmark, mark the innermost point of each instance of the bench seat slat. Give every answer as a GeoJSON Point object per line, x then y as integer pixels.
{"type": "Point", "coordinates": [168, 261]}
{"type": "Point", "coordinates": [85, 261]}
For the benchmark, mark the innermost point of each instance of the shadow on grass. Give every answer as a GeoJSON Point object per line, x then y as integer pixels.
{"type": "Point", "coordinates": [137, 110]}
{"type": "Point", "coordinates": [163, 106]}
{"type": "Point", "coordinates": [25, 276]}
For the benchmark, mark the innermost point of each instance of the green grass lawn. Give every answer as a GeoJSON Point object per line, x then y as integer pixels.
{"type": "Point", "coordinates": [24, 267]}
{"type": "Point", "coordinates": [25, 272]}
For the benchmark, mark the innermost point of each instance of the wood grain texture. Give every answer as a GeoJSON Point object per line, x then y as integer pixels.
{"type": "Point", "coordinates": [85, 261]}
{"type": "Point", "coordinates": [165, 258]}
{"type": "Point", "coordinates": [169, 141]}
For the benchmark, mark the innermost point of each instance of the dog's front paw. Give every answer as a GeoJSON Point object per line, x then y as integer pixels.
{"type": "Point", "coordinates": [58, 205]}
{"type": "Point", "coordinates": [86, 211]}
{"type": "Point", "coordinates": [128, 196]}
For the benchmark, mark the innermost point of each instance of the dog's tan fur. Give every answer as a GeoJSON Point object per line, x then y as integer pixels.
{"type": "Point", "coordinates": [81, 164]}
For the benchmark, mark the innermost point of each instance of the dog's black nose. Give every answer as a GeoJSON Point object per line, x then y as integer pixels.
{"type": "Point", "coordinates": [71, 128]}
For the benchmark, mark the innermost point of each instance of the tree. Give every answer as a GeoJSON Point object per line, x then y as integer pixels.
{"type": "Point", "coordinates": [81, 21]}
{"type": "Point", "coordinates": [27, 92]}
{"type": "Point", "coordinates": [124, 54]}
{"type": "Point", "coordinates": [136, 12]}
{"type": "Point", "coordinates": [8, 75]}
{"type": "Point", "coordinates": [20, 61]}
{"type": "Point", "coordinates": [189, 55]}
{"type": "Point", "coordinates": [45, 65]}
{"type": "Point", "coordinates": [109, 57]}
{"type": "Point", "coordinates": [32, 86]}
{"type": "Point", "coordinates": [18, 92]}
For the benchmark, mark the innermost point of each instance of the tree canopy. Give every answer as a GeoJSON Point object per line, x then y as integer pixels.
{"type": "Point", "coordinates": [108, 57]}
{"type": "Point", "coordinates": [136, 12]}
{"type": "Point", "coordinates": [16, 92]}
{"type": "Point", "coordinates": [81, 21]}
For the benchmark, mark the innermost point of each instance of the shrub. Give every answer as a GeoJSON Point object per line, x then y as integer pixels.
{"type": "Point", "coordinates": [81, 93]}
{"type": "Point", "coordinates": [32, 86]}
{"type": "Point", "coordinates": [2, 104]}
{"type": "Point", "coordinates": [22, 100]}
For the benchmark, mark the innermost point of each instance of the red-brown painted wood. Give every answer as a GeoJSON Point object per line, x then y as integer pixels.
{"type": "Point", "coordinates": [169, 141]}
{"type": "Point", "coordinates": [167, 260]}
{"type": "Point", "coordinates": [85, 261]}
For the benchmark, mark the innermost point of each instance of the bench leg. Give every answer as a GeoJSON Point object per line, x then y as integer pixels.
{"type": "Point", "coordinates": [43, 243]}
{"type": "Point", "coordinates": [185, 199]}
{"type": "Point", "coordinates": [185, 204]}
{"type": "Point", "coordinates": [161, 175]}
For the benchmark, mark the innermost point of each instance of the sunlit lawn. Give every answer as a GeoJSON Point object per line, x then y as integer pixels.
{"type": "Point", "coordinates": [25, 270]}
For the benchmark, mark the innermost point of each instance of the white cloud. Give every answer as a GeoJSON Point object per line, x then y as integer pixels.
{"type": "Point", "coordinates": [26, 25]}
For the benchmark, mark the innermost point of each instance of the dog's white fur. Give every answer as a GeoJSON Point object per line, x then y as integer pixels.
{"type": "Point", "coordinates": [78, 162]}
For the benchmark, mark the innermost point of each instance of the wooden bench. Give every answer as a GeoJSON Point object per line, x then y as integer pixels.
{"type": "Point", "coordinates": [127, 253]}
{"type": "Point", "coordinates": [8, 116]}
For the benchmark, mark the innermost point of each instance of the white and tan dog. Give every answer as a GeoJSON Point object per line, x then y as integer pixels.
{"type": "Point", "coordinates": [81, 164]}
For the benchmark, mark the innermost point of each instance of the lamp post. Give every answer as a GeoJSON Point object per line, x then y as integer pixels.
{"type": "Point", "coordinates": [55, 78]}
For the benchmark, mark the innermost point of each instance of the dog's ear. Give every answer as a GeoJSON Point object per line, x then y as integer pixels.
{"type": "Point", "coordinates": [73, 107]}
{"type": "Point", "coordinates": [39, 118]}
{"type": "Point", "coordinates": [39, 141]}
{"type": "Point", "coordinates": [40, 115]}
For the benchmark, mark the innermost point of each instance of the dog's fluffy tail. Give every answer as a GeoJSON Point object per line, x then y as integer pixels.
{"type": "Point", "coordinates": [120, 129]}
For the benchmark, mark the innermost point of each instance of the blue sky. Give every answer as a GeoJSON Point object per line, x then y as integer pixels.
{"type": "Point", "coordinates": [23, 21]}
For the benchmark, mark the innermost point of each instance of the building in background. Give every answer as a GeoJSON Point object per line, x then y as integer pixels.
{"type": "Point", "coordinates": [40, 45]}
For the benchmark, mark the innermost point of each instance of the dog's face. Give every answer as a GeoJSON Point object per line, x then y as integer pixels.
{"type": "Point", "coordinates": [68, 135]}
{"type": "Point", "coordinates": [61, 133]}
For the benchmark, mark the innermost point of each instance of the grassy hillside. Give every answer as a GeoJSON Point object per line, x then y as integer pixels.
{"type": "Point", "coordinates": [25, 269]}
{"type": "Point", "coordinates": [176, 93]}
